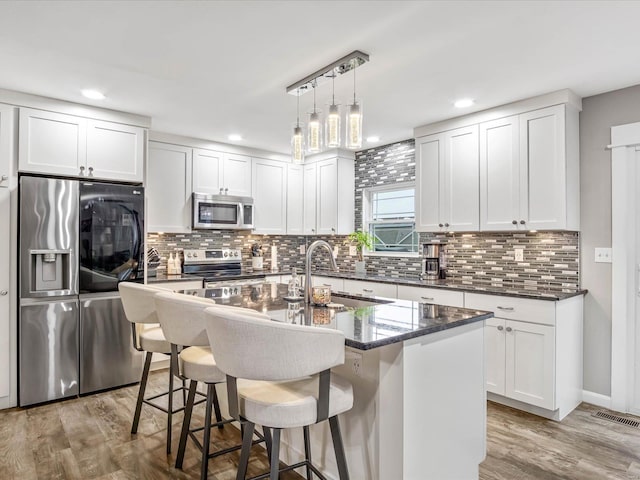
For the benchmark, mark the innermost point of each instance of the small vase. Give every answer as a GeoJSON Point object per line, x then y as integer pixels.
{"type": "Point", "coordinates": [256, 263]}
{"type": "Point", "coordinates": [360, 266]}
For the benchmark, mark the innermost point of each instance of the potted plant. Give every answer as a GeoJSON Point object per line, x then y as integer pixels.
{"type": "Point", "coordinates": [361, 240]}
{"type": "Point", "coordinates": [256, 256]}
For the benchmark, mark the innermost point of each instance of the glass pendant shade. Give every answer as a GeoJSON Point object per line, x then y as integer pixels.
{"type": "Point", "coordinates": [314, 132]}
{"type": "Point", "coordinates": [354, 126]}
{"type": "Point", "coordinates": [297, 145]}
{"type": "Point", "coordinates": [332, 127]}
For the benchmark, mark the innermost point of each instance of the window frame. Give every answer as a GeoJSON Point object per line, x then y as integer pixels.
{"type": "Point", "coordinates": [367, 207]}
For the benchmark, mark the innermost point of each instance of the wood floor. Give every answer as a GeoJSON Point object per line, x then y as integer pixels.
{"type": "Point", "coordinates": [88, 438]}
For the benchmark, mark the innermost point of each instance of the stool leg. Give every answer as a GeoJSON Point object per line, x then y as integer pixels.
{"type": "Point", "coordinates": [216, 408]}
{"type": "Point", "coordinates": [141, 390]}
{"type": "Point", "coordinates": [207, 433]}
{"type": "Point", "coordinates": [184, 393]}
{"type": "Point", "coordinates": [186, 422]}
{"type": "Point", "coordinates": [170, 407]}
{"type": "Point", "coordinates": [247, 436]}
{"type": "Point", "coordinates": [307, 450]}
{"type": "Point", "coordinates": [266, 433]}
{"type": "Point", "coordinates": [341, 459]}
{"type": "Point", "coordinates": [275, 455]}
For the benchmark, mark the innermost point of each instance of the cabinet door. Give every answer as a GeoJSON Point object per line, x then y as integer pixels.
{"type": "Point", "coordinates": [336, 284]}
{"type": "Point", "coordinates": [270, 196]}
{"type": "Point", "coordinates": [544, 200]}
{"type": "Point", "coordinates": [500, 174]}
{"type": "Point", "coordinates": [494, 351]}
{"type": "Point", "coordinates": [168, 188]}
{"type": "Point", "coordinates": [295, 199]}
{"type": "Point", "coordinates": [310, 178]}
{"type": "Point", "coordinates": [431, 295]}
{"type": "Point", "coordinates": [207, 171]}
{"type": "Point", "coordinates": [115, 151]}
{"type": "Point", "coordinates": [52, 143]}
{"type": "Point", "coordinates": [236, 175]}
{"type": "Point", "coordinates": [461, 209]}
{"type": "Point", "coordinates": [371, 289]}
{"type": "Point", "coordinates": [6, 144]}
{"type": "Point", "coordinates": [530, 363]}
{"type": "Point", "coordinates": [430, 157]}
{"type": "Point", "coordinates": [327, 197]}
{"type": "Point", "coordinates": [5, 279]}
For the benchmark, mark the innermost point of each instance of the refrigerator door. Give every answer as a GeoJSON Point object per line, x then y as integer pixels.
{"type": "Point", "coordinates": [107, 356]}
{"type": "Point", "coordinates": [48, 237]}
{"type": "Point", "coordinates": [111, 235]}
{"type": "Point", "coordinates": [48, 350]}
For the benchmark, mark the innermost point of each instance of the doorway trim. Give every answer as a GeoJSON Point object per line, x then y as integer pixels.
{"type": "Point", "coordinates": [625, 152]}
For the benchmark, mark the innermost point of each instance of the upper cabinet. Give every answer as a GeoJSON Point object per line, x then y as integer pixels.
{"type": "Point", "coordinates": [221, 173]}
{"type": "Point", "coordinates": [511, 173]}
{"type": "Point", "coordinates": [310, 181]}
{"type": "Point", "coordinates": [60, 144]}
{"type": "Point", "coordinates": [270, 196]}
{"type": "Point", "coordinates": [447, 169]}
{"type": "Point", "coordinates": [295, 199]}
{"type": "Point", "coordinates": [6, 144]}
{"type": "Point", "coordinates": [168, 188]}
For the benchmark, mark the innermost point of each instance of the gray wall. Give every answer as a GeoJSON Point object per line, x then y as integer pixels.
{"type": "Point", "coordinates": [599, 114]}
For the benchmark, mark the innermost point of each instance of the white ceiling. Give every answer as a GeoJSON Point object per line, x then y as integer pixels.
{"type": "Point", "coordinates": [210, 68]}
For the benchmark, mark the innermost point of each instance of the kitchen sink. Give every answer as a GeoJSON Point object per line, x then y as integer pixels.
{"type": "Point", "coordinates": [352, 302]}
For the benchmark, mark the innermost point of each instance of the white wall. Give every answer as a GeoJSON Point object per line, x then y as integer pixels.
{"type": "Point", "coordinates": [599, 114]}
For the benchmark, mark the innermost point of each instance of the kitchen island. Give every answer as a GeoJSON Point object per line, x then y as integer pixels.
{"type": "Point", "coordinates": [418, 377]}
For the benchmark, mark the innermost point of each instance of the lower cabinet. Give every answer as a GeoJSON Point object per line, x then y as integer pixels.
{"type": "Point", "coordinates": [371, 289]}
{"type": "Point", "coordinates": [336, 284]}
{"type": "Point", "coordinates": [431, 295]}
{"type": "Point", "coordinates": [533, 352]}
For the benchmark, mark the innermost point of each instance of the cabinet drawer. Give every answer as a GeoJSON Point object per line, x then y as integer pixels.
{"type": "Point", "coordinates": [512, 308]}
{"type": "Point", "coordinates": [337, 284]}
{"type": "Point", "coordinates": [371, 289]}
{"type": "Point", "coordinates": [431, 295]}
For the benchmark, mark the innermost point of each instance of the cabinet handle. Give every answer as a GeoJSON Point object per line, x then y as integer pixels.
{"type": "Point", "coordinates": [226, 191]}
{"type": "Point", "coordinates": [426, 298]}
{"type": "Point", "coordinates": [313, 230]}
{"type": "Point", "coordinates": [82, 170]}
{"type": "Point", "coordinates": [446, 225]}
{"type": "Point", "coordinates": [3, 292]}
{"type": "Point", "coordinates": [221, 190]}
{"type": "Point", "coordinates": [367, 290]}
{"type": "Point", "coordinates": [515, 222]}
{"type": "Point", "coordinates": [522, 222]}
{"type": "Point", "coordinates": [509, 329]}
{"type": "Point", "coordinates": [333, 230]}
{"type": "Point", "coordinates": [508, 309]}
{"type": "Point", "coordinates": [500, 327]}
{"type": "Point", "coordinates": [4, 178]}
{"type": "Point", "coordinates": [91, 171]}
{"type": "Point", "coordinates": [440, 225]}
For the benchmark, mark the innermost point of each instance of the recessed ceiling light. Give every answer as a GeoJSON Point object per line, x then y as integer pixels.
{"type": "Point", "coordinates": [373, 138]}
{"type": "Point", "coordinates": [234, 137]}
{"type": "Point", "coordinates": [93, 94]}
{"type": "Point", "coordinates": [463, 103]}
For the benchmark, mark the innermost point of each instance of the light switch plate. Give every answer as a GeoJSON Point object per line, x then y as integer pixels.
{"type": "Point", "coordinates": [336, 251]}
{"type": "Point", "coordinates": [302, 249]}
{"type": "Point", "coordinates": [518, 253]}
{"type": "Point", "coordinates": [353, 250]}
{"type": "Point", "coordinates": [603, 255]}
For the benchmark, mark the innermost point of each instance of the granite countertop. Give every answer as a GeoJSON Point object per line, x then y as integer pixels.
{"type": "Point", "coordinates": [505, 290]}
{"type": "Point", "coordinates": [379, 323]}
{"type": "Point", "coordinates": [182, 277]}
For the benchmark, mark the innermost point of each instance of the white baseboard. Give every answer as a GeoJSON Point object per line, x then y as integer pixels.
{"type": "Point", "coordinates": [596, 399]}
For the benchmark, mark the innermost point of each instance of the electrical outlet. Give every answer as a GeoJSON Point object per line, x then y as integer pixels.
{"type": "Point", "coordinates": [302, 249]}
{"type": "Point", "coordinates": [519, 254]}
{"type": "Point", "coordinates": [603, 255]}
{"type": "Point", "coordinates": [353, 251]}
{"type": "Point", "coordinates": [336, 251]}
{"type": "Point", "coordinates": [355, 360]}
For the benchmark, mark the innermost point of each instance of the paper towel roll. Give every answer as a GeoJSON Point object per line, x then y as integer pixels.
{"type": "Point", "coordinates": [274, 258]}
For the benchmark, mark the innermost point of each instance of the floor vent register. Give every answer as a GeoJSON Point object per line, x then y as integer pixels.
{"type": "Point", "coordinates": [630, 422]}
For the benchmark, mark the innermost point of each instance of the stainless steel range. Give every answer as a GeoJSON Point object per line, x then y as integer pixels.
{"type": "Point", "coordinates": [219, 267]}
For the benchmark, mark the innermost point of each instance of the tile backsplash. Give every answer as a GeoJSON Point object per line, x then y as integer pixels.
{"type": "Point", "coordinates": [550, 259]}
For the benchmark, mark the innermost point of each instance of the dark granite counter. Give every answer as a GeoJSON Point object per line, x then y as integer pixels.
{"type": "Point", "coordinates": [367, 322]}
{"type": "Point", "coordinates": [505, 290]}
{"type": "Point", "coordinates": [162, 277]}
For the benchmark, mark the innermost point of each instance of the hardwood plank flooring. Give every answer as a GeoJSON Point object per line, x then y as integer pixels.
{"type": "Point", "coordinates": [89, 438]}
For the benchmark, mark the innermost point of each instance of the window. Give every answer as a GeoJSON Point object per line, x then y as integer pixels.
{"type": "Point", "coordinates": [389, 216]}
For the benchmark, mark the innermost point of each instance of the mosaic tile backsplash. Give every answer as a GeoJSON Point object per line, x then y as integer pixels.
{"type": "Point", "coordinates": [550, 259]}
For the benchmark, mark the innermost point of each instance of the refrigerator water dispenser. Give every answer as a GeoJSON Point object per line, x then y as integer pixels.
{"type": "Point", "coordinates": [49, 270]}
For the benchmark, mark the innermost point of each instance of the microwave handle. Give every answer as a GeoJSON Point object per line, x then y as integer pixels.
{"type": "Point", "coordinates": [240, 214]}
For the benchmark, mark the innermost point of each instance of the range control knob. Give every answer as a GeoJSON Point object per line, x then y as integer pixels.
{"type": "Point", "coordinates": [225, 254]}
{"type": "Point", "coordinates": [237, 253]}
{"type": "Point", "coordinates": [189, 255]}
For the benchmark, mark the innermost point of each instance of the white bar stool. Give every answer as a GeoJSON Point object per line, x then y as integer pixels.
{"type": "Point", "coordinates": [287, 381]}
{"type": "Point", "coordinates": [183, 321]}
{"type": "Point", "coordinates": [140, 309]}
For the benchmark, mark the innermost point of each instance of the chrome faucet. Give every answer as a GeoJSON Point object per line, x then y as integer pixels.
{"type": "Point", "coordinates": [307, 276]}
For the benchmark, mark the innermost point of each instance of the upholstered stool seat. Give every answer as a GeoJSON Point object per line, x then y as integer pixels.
{"type": "Point", "coordinates": [197, 363]}
{"type": "Point", "coordinates": [152, 340]}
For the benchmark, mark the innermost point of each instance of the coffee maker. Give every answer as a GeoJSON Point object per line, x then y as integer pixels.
{"type": "Point", "coordinates": [434, 264]}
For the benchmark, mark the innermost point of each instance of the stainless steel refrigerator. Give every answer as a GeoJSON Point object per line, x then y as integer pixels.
{"type": "Point", "coordinates": [78, 240]}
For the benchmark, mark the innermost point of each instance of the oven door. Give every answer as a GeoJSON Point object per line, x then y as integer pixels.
{"type": "Point", "coordinates": [216, 214]}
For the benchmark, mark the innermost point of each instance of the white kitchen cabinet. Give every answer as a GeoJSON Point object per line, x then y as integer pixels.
{"type": "Point", "coordinates": [270, 196]}
{"type": "Point", "coordinates": [7, 113]}
{"type": "Point", "coordinates": [207, 169]}
{"type": "Point", "coordinates": [431, 295]}
{"type": "Point", "coordinates": [236, 175]}
{"type": "Point", "coordinates": [5, 296]}
{"type": "Point", "coordinates": [533, 352]}
{"type": "Point", "coordinates": [336, 284]}
{"type": "Point", "coordinates": [60, 144]}
{"type": "Point", "coordinates": [447, 172]}
{"type": "Point", "coordinates": [168, 189]}
{"type": "Point", "coordinates": [295, 199]}
{"type": "Point", "coordinates": [371, 289]}
{"type": "Point", "coordinates": [310, 194]}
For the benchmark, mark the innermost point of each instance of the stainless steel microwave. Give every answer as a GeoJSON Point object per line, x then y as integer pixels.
{"type": "Point", "coordinates": [222, 212]}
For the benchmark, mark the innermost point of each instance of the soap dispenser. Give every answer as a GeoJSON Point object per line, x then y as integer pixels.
{"type": "Point", "coordinates": [171, 265]}
{"type": "Point", "coordinates": [177, 270]}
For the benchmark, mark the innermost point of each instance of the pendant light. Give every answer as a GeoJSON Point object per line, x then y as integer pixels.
{"type": "Point", "coordinates": [354, 120]}
{"type": "Point", "coordinates": [297, 140]}
{"type": "Point", "coordinates": [314, 129]}
{"type": "Point", "coordinates": [332, 126]}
